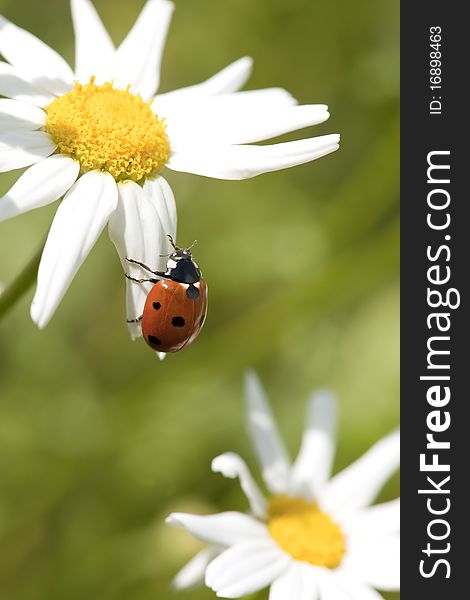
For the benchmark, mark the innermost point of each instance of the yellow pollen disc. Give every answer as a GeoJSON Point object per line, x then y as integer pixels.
{"type": "Point", "coordinates": [303, 531]}
{"type": "Point", "coordinates": [108, 130]}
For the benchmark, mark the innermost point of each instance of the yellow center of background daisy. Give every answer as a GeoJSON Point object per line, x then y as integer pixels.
{"type": "Point", "coordinates": [303, 531]}
{"type": "Point", "coordinates": [108, 130]}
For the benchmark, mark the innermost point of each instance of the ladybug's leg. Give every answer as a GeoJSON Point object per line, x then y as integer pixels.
{"type": "Point", "coordinates": [141, 264]}
{"type": "Point", "coordinates": [136, 262]}
{"type": "Point", "coordinates": [138, 320]}
{"type": "Point", "coordinates": [172, 242]}
{"type": "Point", "coordinates": [141, 280]}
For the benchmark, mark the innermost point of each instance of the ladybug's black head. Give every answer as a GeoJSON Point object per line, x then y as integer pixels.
{"type": "Point", "coordinates": [181, 266]}
{"type": "Point", "coordinates": [182, 254]}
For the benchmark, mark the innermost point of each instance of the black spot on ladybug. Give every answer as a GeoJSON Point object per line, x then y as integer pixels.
{"type": "Point", "coordinates": [156, 305]}
{"type": "Point", "coordinates": [177, 322]}
{"type": "Point", "coordinates": [192, 292]}
{"type": "Point", "coordinates": [154, 340]}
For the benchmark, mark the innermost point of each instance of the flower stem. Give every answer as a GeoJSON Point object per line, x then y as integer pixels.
{"type": "Point", "coordinates": [19, 286]}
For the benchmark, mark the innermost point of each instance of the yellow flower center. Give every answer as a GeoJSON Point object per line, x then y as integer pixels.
{"type": "Point", "coordinates": [108, 130]}
{"type": "Point", "coordinates": [302, 530]}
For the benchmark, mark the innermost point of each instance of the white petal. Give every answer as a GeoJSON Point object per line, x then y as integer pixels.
{"type": "Point", "coordinates": [243, 162]}
{"type": "Point", "coordinates": [136, 231]}
{"type": "Point", "coordinates": [23, 148]}
{"type": "Point", "coordinates": [232, 466]}
{"type": "Point", "coordinates": [25, 51]}
{"type": "Point", "coordinates": [161, 196]}
{"type": "Point", "coordinates": [330, 585]}
{"type": "Point", "coordinates": [265, 438]}
{"type": "Point", "coordinates": [223, 529]}
{"type": "Point", "coordinates": [313, 465]}
{"type": "Point", "coordinates": [20, 115]}
{"type": "Point", "coordinates": [94, 49]}
{"type": "Point", "coordinates": [360, 591]}
{"type": "Point", "coordinates": [185, 110]}
{"type": "Point", "coordinates": [78, 222]}
{"type": "Point", "coordinates": [376, 563]}
{"type": "Point", "coordinates": [192, 574]}
{"type": "Point", "coordinates": [230, 79]}
{"type": "Point", "coordinates": [356, 486]}
{"type": "Point", "coordinates": [242, 127]}
{"type": "Point", "coordinates": [246, 568]}
{"type": "Point", "coordinates": [15, 84]}
{"type": "Point", "coordinates": [41, 184]}
{"type": "Point", "coordinates": [356, 590]}
{"type": "Point", "coordinates": [376, 521]}
{"type": "Point", "coordinates": [138, 58]}
{"type": "Point", "coordinates": [297, 583]}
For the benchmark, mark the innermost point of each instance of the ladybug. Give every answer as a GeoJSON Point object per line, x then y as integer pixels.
{"type": "Point", "coordinates": [176, 306]}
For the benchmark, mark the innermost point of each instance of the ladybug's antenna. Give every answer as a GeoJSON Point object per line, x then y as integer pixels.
{"type": "Point", "coordinates": [192, 245]}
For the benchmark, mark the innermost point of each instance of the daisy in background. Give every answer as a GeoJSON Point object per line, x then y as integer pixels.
{"type": "Point", "coordinates": [313, 538]}
{"type": "Point", "coordinates": [101, 138]}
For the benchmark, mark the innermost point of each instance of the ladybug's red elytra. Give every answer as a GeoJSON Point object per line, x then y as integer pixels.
{"type": "Point", "coordinates": [176, 306]}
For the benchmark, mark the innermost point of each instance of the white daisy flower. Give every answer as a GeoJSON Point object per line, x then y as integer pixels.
{"type": "Point", "coordinates": [100, 136]}
{"type": "Point", "coordinates": [313, 538]}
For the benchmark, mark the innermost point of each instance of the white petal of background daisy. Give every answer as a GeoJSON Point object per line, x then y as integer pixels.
{"type": "Point", "coordinates": [105, 119]}
{"type": "Point", "coordinates": [315, 537]}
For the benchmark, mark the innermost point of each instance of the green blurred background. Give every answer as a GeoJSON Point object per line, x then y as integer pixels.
{"type": "Point", "coordinates": [99, 441]}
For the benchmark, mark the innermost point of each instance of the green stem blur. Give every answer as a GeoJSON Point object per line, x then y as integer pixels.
{"type": "Point", "coordinates": [21, 284]}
